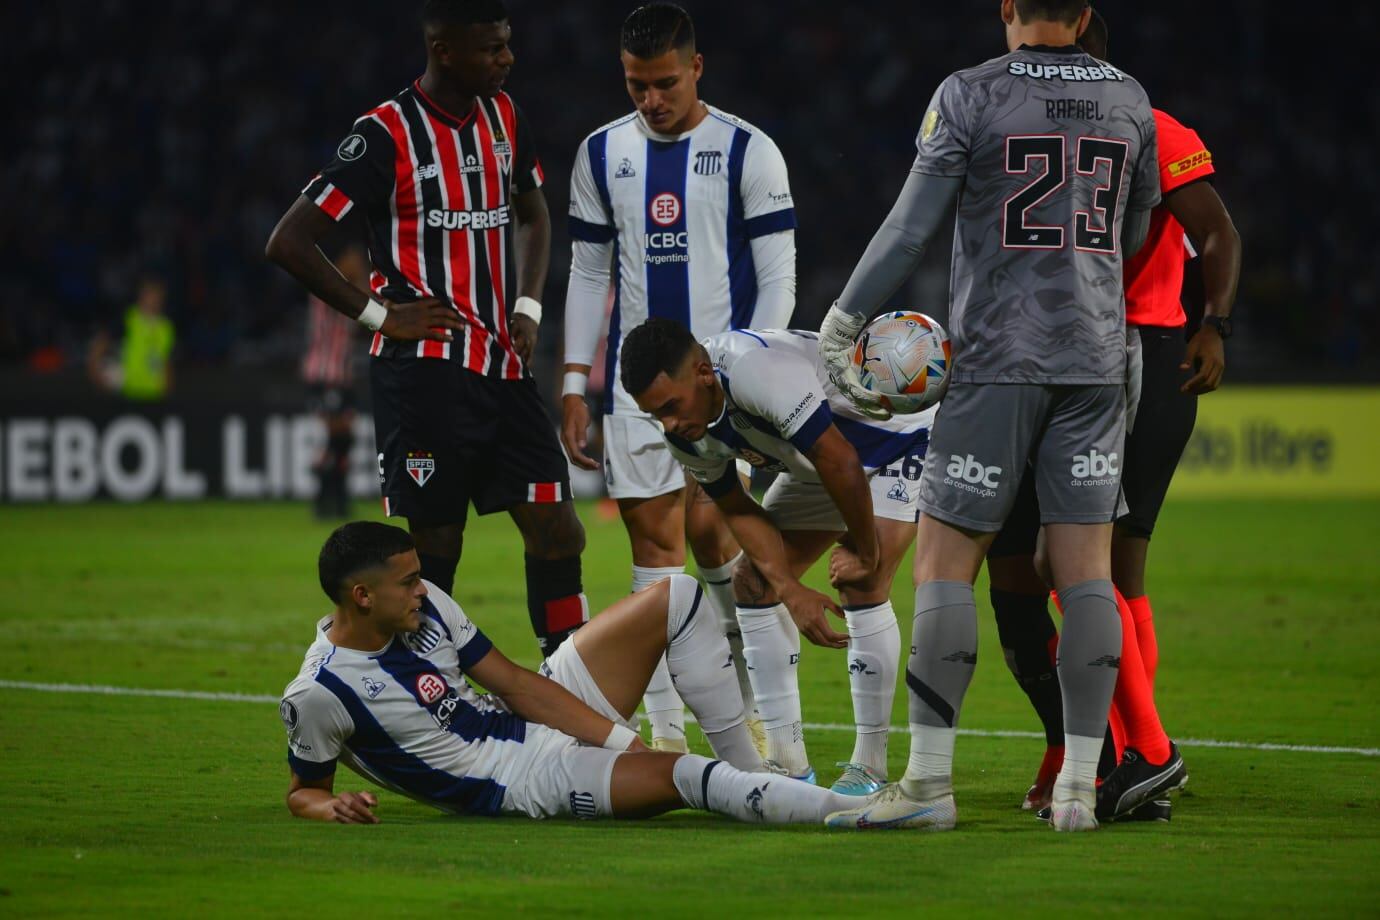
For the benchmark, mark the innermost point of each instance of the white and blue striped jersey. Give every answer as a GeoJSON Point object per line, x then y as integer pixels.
{"type": "Point", "coordinates": [697, 227]}
{"type": "Point", "coordinates": [405, 717]}
{"type": "Point", "coordinates": [778, 401]}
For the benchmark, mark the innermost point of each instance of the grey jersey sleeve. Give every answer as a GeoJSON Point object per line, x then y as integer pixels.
{"type": "Point", "coordinates": [1145, 191]}
{"type": "Point", "coordinates": [897, 246]}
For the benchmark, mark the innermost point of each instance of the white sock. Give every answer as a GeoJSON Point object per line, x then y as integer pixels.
{"type": "Point", "coordinates": [771, 644]}
{"type": "Point", "coordinates": [718, 584]}
{"type": "Point", "coordinates": [874, 653]}
{"type": "Point", "coordinates": [715, 786]}
{"type": "Point", "coordinates": [929, 774]}
{"type": "Point", "coordinates": [1078, 776]}
{"type": "Point", "coordinates": [698, 658]}
{"type": "Point", "coordinates": [665, 710]}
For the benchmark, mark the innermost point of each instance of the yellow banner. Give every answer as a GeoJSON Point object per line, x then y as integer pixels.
{"type": "Point", "coordinates": [1283, 441]}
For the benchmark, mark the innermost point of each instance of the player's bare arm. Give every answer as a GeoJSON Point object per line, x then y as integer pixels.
{"type": "Point", "coordinates": [841, 473]}
{"type": "Point", "coordinates": [316, 799]}
{"type": "Point", "coordinates": [293, 246]}
{"type": "Point", "coordinates": [532, 242]}
{"type": "Point", "coordinates": [539, 699]}
{"type": "Point", "coordinates": [765, 547]}
{"type": "Point", "coordinates": [1204, 217]}
{"type": "Point", "coordinates": [889, 259]}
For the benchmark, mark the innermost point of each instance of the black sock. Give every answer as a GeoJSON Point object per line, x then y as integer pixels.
{"type": "Point", "coordinates": [555, 600]}
{"type": "Point", "coordinates": [1106, 761]}
{"type": "Point", "coordinates": [1025, 629]}
{"type": "Point", "coordinates": [439, 570]}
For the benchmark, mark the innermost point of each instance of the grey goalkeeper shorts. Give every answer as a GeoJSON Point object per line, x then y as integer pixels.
{"type": "Point", "coordinates": [984, 434]}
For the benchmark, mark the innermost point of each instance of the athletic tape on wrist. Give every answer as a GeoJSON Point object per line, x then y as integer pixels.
{"type": "Point", "coordinates": [574, 383]}
{"type": "Point", "coordinates": [372, 316]}
{"type": "Point", "coordinates": [529, 307]}
{"type": "Point", "coordinates": [619, 738]}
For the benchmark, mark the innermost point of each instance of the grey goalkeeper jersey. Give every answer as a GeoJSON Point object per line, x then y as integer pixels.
{"type": "Point", "coordinates": [1053, 146]}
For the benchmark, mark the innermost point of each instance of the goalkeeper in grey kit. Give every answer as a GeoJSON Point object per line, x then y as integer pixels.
{"type": "Point", "coordinates": [1051, 198]}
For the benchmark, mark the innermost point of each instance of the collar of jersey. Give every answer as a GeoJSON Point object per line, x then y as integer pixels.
{"type": "Point", "coordinates": [723, 413]}
{"type": "Point", "coordinates": [1053, 49]}
{"type": "Point", "coordinates": [672, 138]}
{"type": "Point", "coordinates": [431, 106]}
{"type": "Point", "coordinates": [321, 631]}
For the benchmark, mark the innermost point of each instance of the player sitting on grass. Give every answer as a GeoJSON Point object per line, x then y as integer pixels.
{"type": "Point", "coordinates": [383, 688]}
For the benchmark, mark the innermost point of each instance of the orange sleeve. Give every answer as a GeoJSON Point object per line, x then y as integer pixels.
{"type": "Point", "coordinates": [1183, 156]}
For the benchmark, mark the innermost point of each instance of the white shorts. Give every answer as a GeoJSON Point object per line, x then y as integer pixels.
{"type": "Point", "coordinates": [555, 774]}
{"type": "Point", "coordinates": [637, 462]}
{"type": "Point", "coordinates": [796, 505]}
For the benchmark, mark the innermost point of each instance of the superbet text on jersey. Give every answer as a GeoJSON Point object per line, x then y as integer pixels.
{"type": "Point", "coordinates": [435, 190]}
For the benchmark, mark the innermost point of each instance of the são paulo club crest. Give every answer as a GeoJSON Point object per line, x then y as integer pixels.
{"type": "Point", "coordinates": [420, 465]}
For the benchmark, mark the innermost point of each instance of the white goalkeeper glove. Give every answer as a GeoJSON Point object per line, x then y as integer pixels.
{"type": "Point", "coordinates": [838, 336]}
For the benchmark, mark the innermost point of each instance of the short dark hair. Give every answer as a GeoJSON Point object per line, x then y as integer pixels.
{"type": "Point", "coordinates": [443, 13]}
{"type": "Point", "coordinates": [1065, 11]}
{"type": "Point", "coordinates": [351, 548]}
{"type": "Point", "coordinates": [657, 346]}
{"type": "Point", "coordinates": [1094, 37]}
{"type": "Point", "coordinates": [656, 28]}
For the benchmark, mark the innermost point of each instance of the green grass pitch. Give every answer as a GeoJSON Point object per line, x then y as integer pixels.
{"type": "Point", "coordinates": [1268, 621]}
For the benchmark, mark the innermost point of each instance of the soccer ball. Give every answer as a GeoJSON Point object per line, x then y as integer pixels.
{"type": "Point", "coordinates": [904, 357]}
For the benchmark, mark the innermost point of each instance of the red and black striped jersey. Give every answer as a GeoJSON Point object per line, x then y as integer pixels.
{"type": "Point", "coordinates": [435, 190]}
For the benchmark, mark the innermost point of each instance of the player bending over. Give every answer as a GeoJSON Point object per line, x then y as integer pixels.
{"type": "Point", "coordinates": [764, 396]}
{"type": "Point", "coordinates": [384, 689]}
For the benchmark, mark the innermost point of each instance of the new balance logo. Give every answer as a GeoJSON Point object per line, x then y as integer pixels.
{"type": "Point", "coordinates": [961, 656]}
{"type": "Point", "coordinates": [582, 805]}
{"type": "Point", "coordinates": [1106, 661]}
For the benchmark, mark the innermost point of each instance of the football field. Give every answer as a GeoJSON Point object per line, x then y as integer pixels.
{"type": "Point", "coordinates": [142, 761]}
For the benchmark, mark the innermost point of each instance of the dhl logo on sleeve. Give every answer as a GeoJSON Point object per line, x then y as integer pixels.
{"type": "Point", "coordinates": [1190, 162]}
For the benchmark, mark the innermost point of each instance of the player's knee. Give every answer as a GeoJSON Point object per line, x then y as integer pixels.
{"type": "Point", "coordinates": [554, 532]}
{"type": "Point", "coordinates": [1041, 559]}
{"type": "Point", "coordinates": [749, 587]}
{"type": "Point", "coordinates": [682, 593]}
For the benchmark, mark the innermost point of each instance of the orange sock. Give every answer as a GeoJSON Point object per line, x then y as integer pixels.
{"type": "Point", "coordinates": [1134, 700]}
{"type": "Point", "coordinates": [1143, 617]}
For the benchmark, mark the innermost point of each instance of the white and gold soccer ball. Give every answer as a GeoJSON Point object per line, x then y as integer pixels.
{"type": "Point", "coordinates": [904, 357]}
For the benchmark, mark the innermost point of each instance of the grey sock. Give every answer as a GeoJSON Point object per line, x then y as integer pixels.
{"type": "Point", "coordinates": [1089, 655]}
{"type": "Point", "coordinates": [943, 651]}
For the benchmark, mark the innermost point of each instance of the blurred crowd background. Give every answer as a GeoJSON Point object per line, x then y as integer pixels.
{"type": "Point", "coordinates": [164, 140]}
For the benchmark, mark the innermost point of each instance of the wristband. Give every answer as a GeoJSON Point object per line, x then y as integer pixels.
{"type": "Point", "coordinates": [372, 316]}
{"type": "Point", "coordinates": [528, 307]}
{"type": "Point", "coordinates": [619, 738]}
{"type": "Point", "coordinates": [574, 383]}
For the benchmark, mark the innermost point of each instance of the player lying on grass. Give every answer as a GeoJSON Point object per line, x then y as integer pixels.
{"type": "Point", "coordinates": [384, 689]}
{"type": "Point", "coordinates": [763, 396]}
